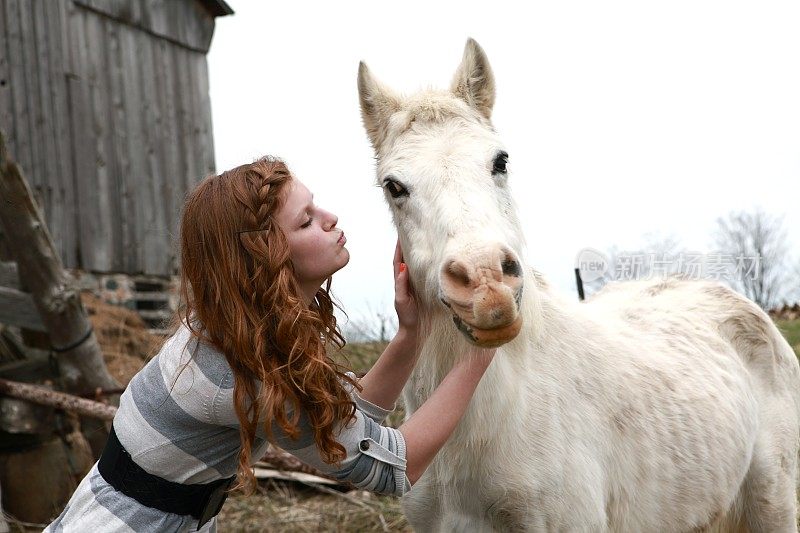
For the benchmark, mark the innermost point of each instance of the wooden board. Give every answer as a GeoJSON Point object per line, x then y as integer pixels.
{"type": "Point", "coordinates": [183, 22]}
{"type": "Point", "coordinates": [17, 309]}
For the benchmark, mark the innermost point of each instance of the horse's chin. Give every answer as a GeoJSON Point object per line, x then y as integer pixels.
{"type": "Point", "coordinates": [488, 338]}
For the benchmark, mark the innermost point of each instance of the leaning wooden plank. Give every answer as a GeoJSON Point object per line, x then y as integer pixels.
{"type": "Point", "coordinates": [17, 309]}
{"type": "Point", "coordinates": [54, 292]}
{"type": "Point", "coordinates": [59, 400]}
{"type": "Point", "coordinates": [271, 473]}
{"type": "Point", "coordinates": [274, 457]}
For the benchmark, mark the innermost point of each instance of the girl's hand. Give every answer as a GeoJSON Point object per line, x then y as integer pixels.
{"type": "Point", "coordinates": [405, 303]}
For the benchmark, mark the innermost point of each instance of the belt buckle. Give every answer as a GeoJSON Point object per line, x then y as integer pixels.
{"type": "Point", "coordinates": [216, 499]}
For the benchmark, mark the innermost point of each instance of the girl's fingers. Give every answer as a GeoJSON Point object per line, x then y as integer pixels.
{"type": "Point", "coordinates": [401, 280]}
{"type": "Point", "coordinates": [398, 258]}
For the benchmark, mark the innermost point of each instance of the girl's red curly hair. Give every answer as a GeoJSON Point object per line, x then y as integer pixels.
{"type": "Point", "coordinates": [239, 294]}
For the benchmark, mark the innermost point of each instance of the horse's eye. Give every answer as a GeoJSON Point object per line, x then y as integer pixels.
{"type": "Point", "coordinates": [500, 162]}
{"type": "Point", "coordinates": [394, 188]}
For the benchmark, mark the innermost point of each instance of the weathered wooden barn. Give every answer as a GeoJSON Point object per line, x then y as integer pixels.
{"type": "Point", "coordinates": [105, 104]}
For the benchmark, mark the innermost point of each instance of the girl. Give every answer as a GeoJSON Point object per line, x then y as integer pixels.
{"type": "Point", "coordinates": [248, 365]}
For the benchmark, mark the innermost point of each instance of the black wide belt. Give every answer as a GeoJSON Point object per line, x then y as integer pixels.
{"type": "Point", "coordinates": [202, 501]}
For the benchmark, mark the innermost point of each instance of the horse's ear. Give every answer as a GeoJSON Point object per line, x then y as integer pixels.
{"type": "Point", "coordinates": [474, 81]}
{"type": "Point", "coordinates": [377, 105]}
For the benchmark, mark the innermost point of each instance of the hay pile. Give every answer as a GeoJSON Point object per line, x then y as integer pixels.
{"type": "Point", "coordinates": [123, 337]}
{"type": "Point", "coordinates": [292, 508]}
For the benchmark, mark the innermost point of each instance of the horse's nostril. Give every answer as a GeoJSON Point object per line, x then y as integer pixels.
{"type": "Point", "coordinates": [511, 267]}
{"type": "Point", "coordinates": [458, 273]}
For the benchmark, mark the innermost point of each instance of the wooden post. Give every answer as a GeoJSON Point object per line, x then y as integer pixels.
{"type": "Point", "coordinates": [579, 283]}
{"type": "Point", "coordinates": [54, 292]}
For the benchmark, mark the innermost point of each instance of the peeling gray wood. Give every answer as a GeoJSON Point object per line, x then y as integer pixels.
{"type": "Point", "coordinates": [17, 309]}
{"type": "Point", "coordinates": [21, 135]}
{"type": "Point", "coordinates": [111, 121]}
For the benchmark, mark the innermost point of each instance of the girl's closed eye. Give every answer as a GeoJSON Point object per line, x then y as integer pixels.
{"type": "Point", "coordinates": [307, 223]}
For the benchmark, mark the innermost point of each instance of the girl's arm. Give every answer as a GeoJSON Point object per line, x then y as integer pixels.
{"type": "Point", "coordinates": [385, 380]}
{"type": "Point", "coordinates": [432, 424]}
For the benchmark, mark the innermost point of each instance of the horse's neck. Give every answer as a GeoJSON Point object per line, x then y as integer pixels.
{"type": "Point", "coordinates": [546, 321]}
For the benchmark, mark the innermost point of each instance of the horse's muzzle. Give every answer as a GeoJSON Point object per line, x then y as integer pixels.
{"type": "Point", "coordinates": [483, 291]}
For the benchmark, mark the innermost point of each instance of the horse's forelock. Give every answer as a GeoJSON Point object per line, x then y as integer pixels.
{"type": "Point", "coordinates": [429, 107]}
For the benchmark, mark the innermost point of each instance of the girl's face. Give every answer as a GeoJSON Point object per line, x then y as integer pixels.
{"type": "Point", "coordinates": [316, 245]}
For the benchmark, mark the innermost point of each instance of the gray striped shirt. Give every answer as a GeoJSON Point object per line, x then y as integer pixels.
{"type": "Point", "coordinates": [180, 424]}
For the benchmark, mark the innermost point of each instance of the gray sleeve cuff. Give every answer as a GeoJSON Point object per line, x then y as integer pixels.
{"type": "Point", "coordinates": [376, 458]}
{"type": "Point", "coordinates": [402, 484]}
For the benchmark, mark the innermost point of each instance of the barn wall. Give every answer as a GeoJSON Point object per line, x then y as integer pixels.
{"type": "Point", "coordinates": [111, 122]}
{"type": "Point", "coordinates": [33, 110]}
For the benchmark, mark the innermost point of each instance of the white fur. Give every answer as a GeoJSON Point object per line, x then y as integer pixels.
{"type": "Point", "coordinates": [662, 405]}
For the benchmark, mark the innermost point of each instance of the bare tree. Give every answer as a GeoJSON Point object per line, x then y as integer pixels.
{"type": "Point", "coordinates": [760, 238]}
{"type": "Point", "coordinates": [793, 286]}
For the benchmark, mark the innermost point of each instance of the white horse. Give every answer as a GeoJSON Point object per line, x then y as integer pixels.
{"type": "Point", "coordinates": [665, 405]}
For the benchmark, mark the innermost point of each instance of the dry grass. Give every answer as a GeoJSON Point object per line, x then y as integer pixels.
{"type": "Point", "coordinates": [294, 508]}
{"type": "Point", "coordinates": [791, 330]}
{"type": "Point", "coordinates": [122, 336]}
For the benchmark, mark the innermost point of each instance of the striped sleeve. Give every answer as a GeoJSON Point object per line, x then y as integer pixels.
{"type": "Point", "coordinates": [380, 465]}
{"type": "Point", "coordinates": [375, 455]}
{"type": "Point", "coordinates": [375, 461]}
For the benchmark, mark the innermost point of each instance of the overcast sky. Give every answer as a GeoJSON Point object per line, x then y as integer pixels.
{"type": "Point", "coordinates": [621, 118]}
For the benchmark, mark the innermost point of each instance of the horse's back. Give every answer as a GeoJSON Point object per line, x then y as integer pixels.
{"type": "Point", "coordinates": [675, 308]}
{"type": "Point", "coordinates": [716, 330]}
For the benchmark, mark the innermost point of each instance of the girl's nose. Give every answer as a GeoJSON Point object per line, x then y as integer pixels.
{"type": "Point", "coordinates": [331, 220]}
